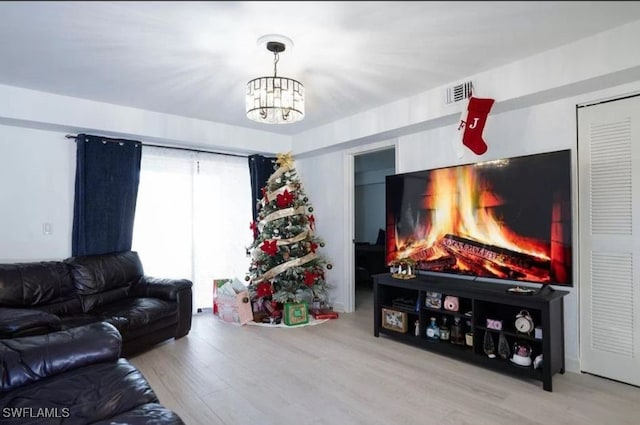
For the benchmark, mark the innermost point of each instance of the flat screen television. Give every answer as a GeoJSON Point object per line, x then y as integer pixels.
{"type": "Point", "coordinates": [505, 219]}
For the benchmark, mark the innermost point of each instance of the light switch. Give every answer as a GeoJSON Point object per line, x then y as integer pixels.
{"type": "Point", "coordinates": [47, 228]}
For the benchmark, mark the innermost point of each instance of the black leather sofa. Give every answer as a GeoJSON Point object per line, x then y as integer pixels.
{"type": "Point", "coordinates": [75, 377]}
{"type": "Point", "coordinates": [41, 297]}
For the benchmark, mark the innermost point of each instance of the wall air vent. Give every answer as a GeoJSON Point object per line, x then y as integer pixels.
{"type": "Point", "coordinates": [459, 92]}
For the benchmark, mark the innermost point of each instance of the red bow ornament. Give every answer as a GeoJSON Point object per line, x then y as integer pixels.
{"type": "Point", "coordinates": [269, 247]}
{"type": "Point", "coordinates": [264, 289]}
{"type": "Point", "coordinates": [309, 278]}
{"type": "Point", "coordinates": [284, 200]}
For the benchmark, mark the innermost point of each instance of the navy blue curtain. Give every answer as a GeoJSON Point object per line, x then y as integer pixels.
{"type": "Point", "coordinates": [107, 178]}
{"type": "Point", "coordinates": [260, 168]}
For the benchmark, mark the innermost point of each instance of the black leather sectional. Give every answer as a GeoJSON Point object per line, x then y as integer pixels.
{"type": "Point", "coordinates": [75, 377]}
{"type": "Point", "coordinates": [41, 297]}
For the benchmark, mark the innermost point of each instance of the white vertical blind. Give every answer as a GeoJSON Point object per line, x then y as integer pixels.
{"type": "Point", "coordinates": [192, 217]}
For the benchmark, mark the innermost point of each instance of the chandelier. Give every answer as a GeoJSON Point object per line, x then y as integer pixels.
{"type": "Point", "coordinates": [275, 100]}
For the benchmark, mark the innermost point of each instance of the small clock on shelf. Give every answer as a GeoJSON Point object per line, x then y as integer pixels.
{"type": "Point", "coordinates": [524, 323]}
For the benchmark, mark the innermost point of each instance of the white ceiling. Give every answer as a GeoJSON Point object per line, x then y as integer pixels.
{"type": "Point", "coordinates": [194, 58]}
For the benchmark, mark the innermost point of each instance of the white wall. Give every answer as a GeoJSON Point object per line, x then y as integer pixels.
{"type": "Point", "coordinates": [604, 60]}
{"type": "Point", "coordinates": [323, 179]}
{"type": "Point", "coordinates": [35, 109]}
{"type": "Point", "coordinates": [37, 174]}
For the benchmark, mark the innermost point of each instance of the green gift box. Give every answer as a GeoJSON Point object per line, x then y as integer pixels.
{"type": "Point", "coordinates": [296, 313]}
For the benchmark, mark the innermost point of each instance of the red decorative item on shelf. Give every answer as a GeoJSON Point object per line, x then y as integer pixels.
{"type": "Point", "coordinates": [313, 247]}
{"type": "Point", "coordinates": [253, 226]}
{"type": "Point", "coordinates": [312, 222]}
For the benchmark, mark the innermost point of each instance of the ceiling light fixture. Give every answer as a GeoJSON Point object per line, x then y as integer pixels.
{"type": "Point", "coordinates": [275, 100]}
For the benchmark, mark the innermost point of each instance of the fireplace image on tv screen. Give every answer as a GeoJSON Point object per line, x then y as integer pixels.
{"type": "Point", "coordinates": [504, 219]}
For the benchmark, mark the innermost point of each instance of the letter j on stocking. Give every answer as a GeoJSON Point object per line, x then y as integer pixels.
{"type": "Point", "coordinates": [477, 112]}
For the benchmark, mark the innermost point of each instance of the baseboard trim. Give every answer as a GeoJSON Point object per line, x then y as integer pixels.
{"type": "Point", "coordinates": [339, 307]}
{"type": "Point", "coordinates": [572, 364]}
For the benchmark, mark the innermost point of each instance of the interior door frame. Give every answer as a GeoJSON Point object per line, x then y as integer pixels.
{"type": "Point", "coordinates": [349, 209]}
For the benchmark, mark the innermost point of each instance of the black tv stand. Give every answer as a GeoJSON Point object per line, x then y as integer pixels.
{"type": "Point", "coordinates": [484, 301]}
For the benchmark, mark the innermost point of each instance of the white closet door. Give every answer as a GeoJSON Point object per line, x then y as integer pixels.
{"type": "Point", "coordinates": [609, 238]}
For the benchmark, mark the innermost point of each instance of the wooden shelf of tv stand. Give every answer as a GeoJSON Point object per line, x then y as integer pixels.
{"type": "Point", "coordinates": [548, 307]}
{"type": "Point", "coordinates": [460, 314]}
{"type": "Point", "coordinates": [506, 332]}
{"type": "Point", "coordinates": [400, 308]}
{"type": "Point", "coordinates": [442, 347]}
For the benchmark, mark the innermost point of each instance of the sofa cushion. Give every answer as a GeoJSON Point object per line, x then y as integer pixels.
{"type": "Point", "coordinates": [17, 322]}
{"type": "Point", "coordinates": [75, 320]}
{"type": "Point", "coordinates": [30, 359]}
{"type": "Point", "coordinates": [89, 302]}
{"type": "Point", "coordinates": [132, 314]}
{"type": "Point", "coordinates": [109, 274]}
{"type": "Point", "coordinates": [32, 284]}
{"type": "Point", "coordinates": [147, 414]}
{"type": "Point", "coordinates": [73, 306]}
{"type": "Point", "coordinates": [93, 393]}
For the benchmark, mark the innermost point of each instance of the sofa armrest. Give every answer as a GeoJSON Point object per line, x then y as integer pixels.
{"type": "Point", "coordinates": [18, 322]}
{"type": "Point", "coordinates": [178, 290]}
{"type": "Point", "coordinates": [165, 289]}
{"type": "Point", "coordinates": [32, 358]}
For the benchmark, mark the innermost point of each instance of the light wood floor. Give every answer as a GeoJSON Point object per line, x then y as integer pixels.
{"type": "Point", "coordinates": [338, 373]}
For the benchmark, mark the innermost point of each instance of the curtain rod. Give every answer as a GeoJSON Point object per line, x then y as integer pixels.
{"type": "Point", "coordinates": [71, 136]}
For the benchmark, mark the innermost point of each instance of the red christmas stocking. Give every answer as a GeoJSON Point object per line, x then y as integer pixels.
{"type": "Point", "coordinates": [478, 110]}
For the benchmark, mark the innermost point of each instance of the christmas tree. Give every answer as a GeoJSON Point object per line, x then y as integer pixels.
{"type": "Point", "coordinates": [285, 263]}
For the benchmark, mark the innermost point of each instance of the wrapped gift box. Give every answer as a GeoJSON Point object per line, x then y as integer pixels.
{"type": "Point", "coordinates": [296, 313]}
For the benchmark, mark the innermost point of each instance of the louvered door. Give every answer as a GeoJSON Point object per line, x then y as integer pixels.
{"type": "Point", "coordinates": [609, 215]}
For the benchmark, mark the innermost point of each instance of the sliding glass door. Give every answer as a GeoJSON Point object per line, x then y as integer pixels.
{"type": "Point", "coordinates": [192, 217]}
